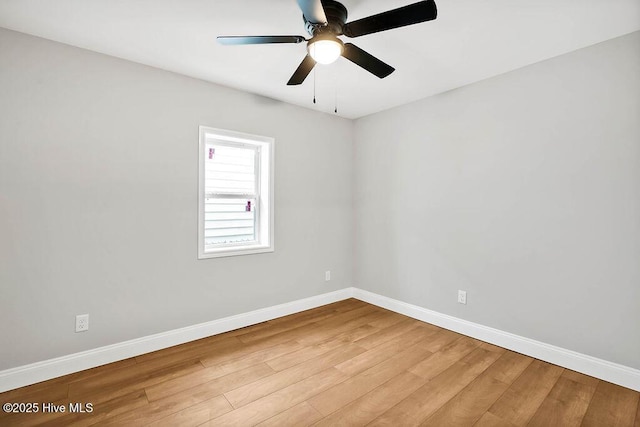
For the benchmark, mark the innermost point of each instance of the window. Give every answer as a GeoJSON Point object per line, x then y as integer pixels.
{"type": "Point", "coordinates": [235, 200]}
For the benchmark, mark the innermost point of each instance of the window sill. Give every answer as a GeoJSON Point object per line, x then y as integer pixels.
{"type": "Point", "coordinates": [234, 251]}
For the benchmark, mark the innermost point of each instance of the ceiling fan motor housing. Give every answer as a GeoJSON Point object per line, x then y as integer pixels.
{"type": "Point", "coordinates": [336, 15]}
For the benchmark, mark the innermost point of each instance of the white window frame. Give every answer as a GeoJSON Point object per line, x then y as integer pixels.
{"type": "Point", "coordinates": [264, 226]}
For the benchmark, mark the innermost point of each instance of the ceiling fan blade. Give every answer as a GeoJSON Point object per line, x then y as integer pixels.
{"type": "Point", "coordinates": [407, 15]}
{"type": "Point", "coordinates": [233, 40]}
{"type": "Point", "coordinates": [367, 61]}
{"type": "Point", "coordinates": [302, 71]}
{"type": "Point", "coordinates": [313, 11]}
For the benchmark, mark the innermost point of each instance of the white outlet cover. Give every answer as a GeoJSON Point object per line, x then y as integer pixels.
{"type": "Point", "coordinates": [82, 322]}
{"type": "Point", "coordinates": [462, 297]}
{"type": "Point", "coordinates": [327, 276]}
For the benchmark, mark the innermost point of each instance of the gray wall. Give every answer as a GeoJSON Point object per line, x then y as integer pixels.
{"type": "Point", "coordinates": [98, 201]}
{"type": "Point", "coordinates": [523, 190]}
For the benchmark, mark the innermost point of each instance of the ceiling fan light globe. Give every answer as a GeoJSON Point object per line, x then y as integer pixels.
{"type": "Point", "coordinates": [325, 51]}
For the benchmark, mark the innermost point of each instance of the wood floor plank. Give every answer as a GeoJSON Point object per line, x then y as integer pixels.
{"type": "Point", "coordinates": [388, 320]}
{"type": "Point", "coordinates": [300, 415]}
{"type": "Point", "coordinates": [279, 401]}
{"type": "Point", "coordinates": [565, 405]}
{"type": "Point", "coordinates": [250, 392]}
{"type": "Point", "coordinates": [185, 382]}
{"type": "Point", "coordinates": [346, 316]}
{"type": "Point", "coordinates": [242, 350]}
{"type": "Point", "coordinates": [188, 397]}
{"type": "Point", "coordinates": [443, 338]}
{"type": "Point", "coordinates": [637, 423]}
{"type": "Point", "coordinates": [236, 349]}
{"type": "Point", "coordinates": [389, 333]}
{"type": "Point", "coordinates": [197, 414]}
{"type": "Point", "coordinates": [141, 374]}
{"type": "Point", "coordinates": [384, 351]}
{"type": "Point", "coordinates": [105, 410]}
{"type": "Point", "coordinates": [32, 418]}
{"type": "Point", "coordinates": [316, 312]}
{"type": "Point", "coordinates": [302, 318]}
{"type": "Point", "coordinates": [469, 405]}
{"type": "Point", "coordinates": [352, 335]}
{"type": "Point", "coordinates": [348, 304]}
{"type": "Point", "coordinates": [336, 397]}
{"type": "Point", "coordinates": [422, 403]}
{"type": "Point", "coordinates": [491, 347]}
{"type": "Point", "coordinates": [274, 328]}
{"type": "Point", "coordinates": [366, 408]}
{"type": "Point", "coordinates": [108, 400]}
{"type": "Point", "coordinates": [264, 355]}
{"type": "Point", "coordinates": [490, 420]}
{"type": "Point", "coordinates": [99, 412]}
{"type": "Point", "coordinates": [103, 406]}
{"type": "Point", "coordinates": [445, 357]}
{"type": "Point", "coordinates": [44, 392]}
{"type": "Point", "coordinates": [99, 370]}
{"type": "Point", "coordinates": [611, 405]}
{"type": "Point", "coordinates": [520, 401]}
{"type": "Point", "coordinates": [580, 378]}
{"type": "Point", "coordinates": [313, 333]}
{"type": "Point", "coordinates": [197, 354]}
{"type": "Point", "coordinates": [474, 400]}
{"type": "Point", "coordinates": [327, 331]}
{"type": "Point", "coordinates": [311, 351]}
{"type": "Point", "coordinates": [306, 353]}
{"type": "Point", "coordinates": [511, 365]}
{"type": "Point", "coordinates": [124, 381]}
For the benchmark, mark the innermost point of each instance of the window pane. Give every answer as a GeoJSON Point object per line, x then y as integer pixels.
{"type": "Point", "coordinates": [230, 169]}
{"type": "Point", "coordinates": [228, 221]}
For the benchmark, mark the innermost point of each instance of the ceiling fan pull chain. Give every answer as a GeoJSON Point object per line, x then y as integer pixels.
{"type": "Point", "coordinates": [335, 110]}
{"type": "Point", "coordinates": [314, 86]}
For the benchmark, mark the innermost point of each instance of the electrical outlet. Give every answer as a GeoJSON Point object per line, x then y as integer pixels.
{"type": "Point", "coordinates": [462, 297]}
{"type": "Point", "coordinates": [82, 322]}
{"type": "Point", "coordinates": [327, 276]}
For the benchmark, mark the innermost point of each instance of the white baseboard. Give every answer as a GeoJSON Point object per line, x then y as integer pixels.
{"type": "Point", "coordinates": [48, 369]}
{"type": "Point", "coordinates": [53, 368]}
{"type": "Point", "coordinates": [602, 369]}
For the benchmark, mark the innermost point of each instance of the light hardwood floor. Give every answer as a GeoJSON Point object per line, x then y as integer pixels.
{"type": "Point", "coordinates": [347, 363]}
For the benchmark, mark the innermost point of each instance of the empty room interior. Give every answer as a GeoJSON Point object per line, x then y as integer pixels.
{"type": "Point", "coordinates": [207, 219]}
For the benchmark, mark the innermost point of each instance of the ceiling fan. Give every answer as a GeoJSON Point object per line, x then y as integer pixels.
{"type": "Point", "coordinates": [325, 20]}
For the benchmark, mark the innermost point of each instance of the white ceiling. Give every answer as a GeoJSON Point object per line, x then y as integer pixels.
{"type": "Point", "coordinates": [471, 40]}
